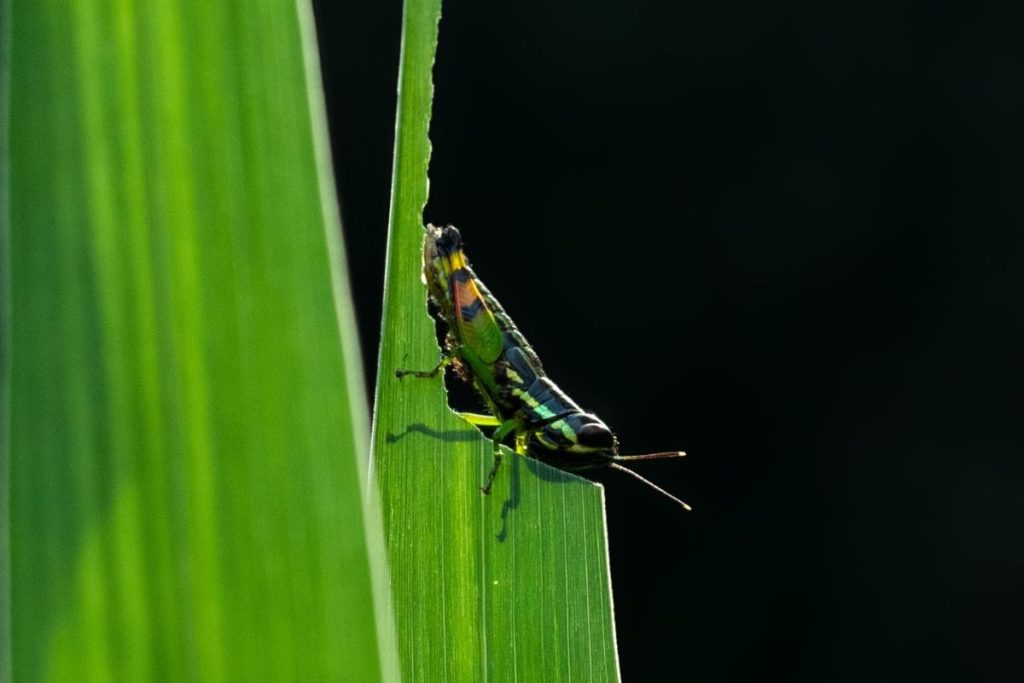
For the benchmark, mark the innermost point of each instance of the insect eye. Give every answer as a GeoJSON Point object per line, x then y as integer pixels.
{"type": "Point", "coordinates": [595, 435]}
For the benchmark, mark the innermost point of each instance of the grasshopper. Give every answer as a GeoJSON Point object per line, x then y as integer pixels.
{"type": "Point", "coordinates": [488, 352]}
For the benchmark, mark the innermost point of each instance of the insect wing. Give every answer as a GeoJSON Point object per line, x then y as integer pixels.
{"type": "Point", "coordinates": [478, 328]}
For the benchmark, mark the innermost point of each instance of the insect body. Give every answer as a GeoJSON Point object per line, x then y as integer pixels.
{"type": "Point", "coordinates": [488, 352]}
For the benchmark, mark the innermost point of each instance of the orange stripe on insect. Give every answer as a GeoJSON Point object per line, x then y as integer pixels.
{"type": "Point", "coordinates": [467, 296]}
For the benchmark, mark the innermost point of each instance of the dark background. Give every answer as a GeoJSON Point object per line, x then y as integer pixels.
{"type": "Point", "coordinates": [784, 237]}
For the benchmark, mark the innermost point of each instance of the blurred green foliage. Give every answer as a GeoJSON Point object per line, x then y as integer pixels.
{"type": "Point", "coordinates": [188, 428]}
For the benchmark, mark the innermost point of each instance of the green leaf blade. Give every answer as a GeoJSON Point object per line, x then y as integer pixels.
{"type": "Point", "coordinates": [508, 587]}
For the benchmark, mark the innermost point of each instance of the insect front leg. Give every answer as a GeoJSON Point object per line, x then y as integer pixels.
{"type": "Point", "coordinates": [446, 360]}
{"type": "Point", "coordinates": [506, 428]}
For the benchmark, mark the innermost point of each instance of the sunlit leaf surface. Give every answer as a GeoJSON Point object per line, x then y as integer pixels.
{"type": "Point", "coordinates": [187, 421]}
{"type": "Point", "coordinates": [508, 587]}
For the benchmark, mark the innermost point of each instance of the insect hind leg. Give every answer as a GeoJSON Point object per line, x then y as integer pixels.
{"type": "Point", "coordinates": [480, 420]}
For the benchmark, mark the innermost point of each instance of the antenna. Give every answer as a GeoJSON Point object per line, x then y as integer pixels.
{"type": "Point", "coordinates": [652, 456]}
{"type": "Point", "coordinates": [651, 484]}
